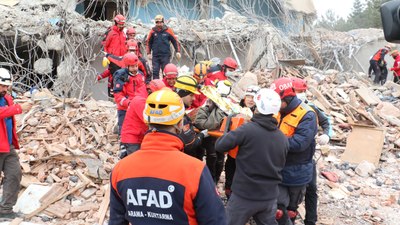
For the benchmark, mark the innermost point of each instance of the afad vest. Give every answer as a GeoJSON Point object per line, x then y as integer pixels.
{"type": "Point", "coordinates": [290, 122]}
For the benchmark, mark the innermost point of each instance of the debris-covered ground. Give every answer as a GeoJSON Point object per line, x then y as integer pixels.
{"type": "Point", "coordinates": [69, 149]}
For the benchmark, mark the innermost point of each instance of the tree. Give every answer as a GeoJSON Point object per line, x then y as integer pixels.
{"type": "Point", "coordinates": [327, 21]}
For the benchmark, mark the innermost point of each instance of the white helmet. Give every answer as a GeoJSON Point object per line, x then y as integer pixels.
{"type": "Point", "coordinates": [267, 101]}
{"type": "Point", "coordinates": [224, 87]}
{"type": "Point", "coordinates": [5, 77]}
{"type": "Point", "coordinates": [252, 90]}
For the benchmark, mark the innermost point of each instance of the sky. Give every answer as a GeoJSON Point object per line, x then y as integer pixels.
{"type": "Point", "coordinates": [341, 8]}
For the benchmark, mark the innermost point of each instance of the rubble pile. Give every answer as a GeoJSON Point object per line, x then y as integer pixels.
{"type": "Point", "coordinates": [356, 174]}
{"type": "Point", "coordinates": [68, 149]}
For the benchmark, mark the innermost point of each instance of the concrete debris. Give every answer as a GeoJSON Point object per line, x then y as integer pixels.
{"type": "Point", "coordinates": [43, 65]}
{"type": "Point", "coordinates": [69, 144]}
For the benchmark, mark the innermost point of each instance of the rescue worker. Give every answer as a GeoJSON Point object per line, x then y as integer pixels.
{"type": "Point", "coordinates": [396, 66]}
{"type": "Point", "coordinates": [134, 128]}
{"type": "Point", "coordinates": [210, 117]}
{"type": "Point", "coordinates": [158, 46]}
{"type": "Point", "coordinates": [217, 73]}
{"type": "Point", "coordinates": [299, 123]}
{"type": "Point", "coordinates": [199, 73]}
{"type": "Point", "coordinates": [186, 87]}
{"type": "Point", "coordinates": [170, 74]}
{"type": "Point", "coordinates": [9, 160]}
{"type": "Point", "coordinates": [131, 35]}
{"type": "Point", "coordinates": [377, 63]}
{"type": "Point", "coordinates": [115, 41]}
{"type": "Point", "coordinates": [128, 83]}
{"type": "Point", "coordinates": [159, 184]}
{"type": "Point", "coordinates": [258, 173]}
{"type": "Point", "coordinates": [311, 196]}
{"type": "Point", "coordinates": [132, 47]}
{"type": "Point", "coordinates": [230, 164]}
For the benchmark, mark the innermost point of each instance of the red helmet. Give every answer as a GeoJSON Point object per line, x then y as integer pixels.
{"type": "Point", "coordinates": [155, 85]}
{"type": "Point", "coordinates": [284, 87]}
{"type": "Point", "coordinates": [131, 30]}
{"type": "Point", "coordinates": [170, 71]}
{"type": "Point", "coordinates": [299, 84]}
{"type": "Point", "coordinates": [132, 45]}
{"type": "Point", "coordinates": [130, 59]}
{"type": "Point", "coordinates": [119, 19]}
{"type": "Point", "coordinates": [231, 63]}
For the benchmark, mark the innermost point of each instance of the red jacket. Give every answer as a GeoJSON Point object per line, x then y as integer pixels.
{"type": "Point", "coordinates": [159, 184]}
{"type": "Point", "coordinates": [198, 100]}
{"type": "Point", "coordinates": [396, 66]}
{"type": "Point", "coordinates": [213, 76]}
{"type": "Point", "coordinates": [115, 42]}
{"type": "Point", "coordinates": [126, 87]}
{"type": "Point", "coordinates": [134, 128]}
{"type": "Point", "coordinates": [7, 111]}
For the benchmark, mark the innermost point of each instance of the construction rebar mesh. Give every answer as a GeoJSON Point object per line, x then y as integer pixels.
{"type": "Point", "coordinates": [58, 50]}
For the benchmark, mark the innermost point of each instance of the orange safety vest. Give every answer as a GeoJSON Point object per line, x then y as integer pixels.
{"type": "Point", "coordinates": [290, 122]}
{"type": "Point", "coordinates": [377, 55]}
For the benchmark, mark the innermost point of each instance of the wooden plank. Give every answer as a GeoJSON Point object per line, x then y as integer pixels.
{"type": "Point", "coordinates": [59, 209]}
{"type": "Point", "coordinates": [16, 221]}
{"type": "Point", "coordinates": [368, 96]}
{"type": "Point", "coordinates": [320, 98]}
{"type": "Point", "coordinates": [364, 143]}
{"type": "Point", "coordinates": [84, 207]}
{"type": "Point", "coordinates": [56, 190]}
{"type": "Point", "coordinates": [104, 206]}
{"type": "Point", "coordinates": [45, 205]}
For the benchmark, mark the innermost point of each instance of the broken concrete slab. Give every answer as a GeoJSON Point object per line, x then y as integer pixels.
{"type": "Point", "coordinates": [364, 143]}
{"type": "Point", "coordinates": [29, 201]}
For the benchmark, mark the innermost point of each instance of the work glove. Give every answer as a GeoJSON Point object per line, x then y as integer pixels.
{"type": "Point", "coordinates": [105, 62]}
{"type": "Point", "coordinates": [323, 139]}
{"type": "Point", "coordinates": [178, 56]}
{"type": "Point", "coordinates": [205, 133]}
{"type": "Point", "coordinates": [122, 152]}
{"type": "Point", "coordinates": [149, 56]}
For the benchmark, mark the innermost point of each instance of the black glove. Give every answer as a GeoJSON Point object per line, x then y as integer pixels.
{"type": "Point", "coordinates": [122, 152]}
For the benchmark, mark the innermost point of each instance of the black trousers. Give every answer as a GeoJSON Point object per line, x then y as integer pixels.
{"type": "Point", "coordinates": [311, 200]}
{"type": "Point", "coordinates": [159, 62]}
{"type": "Point", "coordinates": [230, 167]}
{"type": "Point", "coordinates": [377, 70]}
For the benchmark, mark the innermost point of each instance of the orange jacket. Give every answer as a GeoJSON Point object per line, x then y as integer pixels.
{"type": "Point", "coordinates": [159, 184]}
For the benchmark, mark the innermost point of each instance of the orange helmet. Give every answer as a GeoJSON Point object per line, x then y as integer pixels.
{"type": "Point", "coordinates": [299, 84]}
{"type": "Point", "coordinates": [119, 19]}
{"type": "Point", "coordinates": [231, 63]}
{"type": "Point", "coordinates": [130, 30]}
{"type": "Point", "coordinates": [170, 71]}
{"type": "Point", "coordinates": [284, 87]}
{"type": "Point", "coordinates": [155, 85]}
{"type": "Point", "coordinates": [130, 59]}
{"type": "Point", "coordinates": [200, 71]}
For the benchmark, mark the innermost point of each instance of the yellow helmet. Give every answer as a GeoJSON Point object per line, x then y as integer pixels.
{"type": "Point", "coordinates": [200, 71]}
{"type": "Point", "coordinates": [187, 83]}
{"type": "Point", "coordinates": [159, 18]}
{"type": "Point", "coordinates": [163, 107]}
{"type": "Point", "coordinates": [207, 62]}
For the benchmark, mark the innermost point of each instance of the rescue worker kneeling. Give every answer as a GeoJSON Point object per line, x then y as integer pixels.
{"type": "Point", "coordinates": [260, 159]}
{"type": "Point", "coordinates": [159, 184]}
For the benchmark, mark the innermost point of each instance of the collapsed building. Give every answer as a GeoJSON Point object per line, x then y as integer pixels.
{"type": "Point", "coordinates": [68, 143]}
